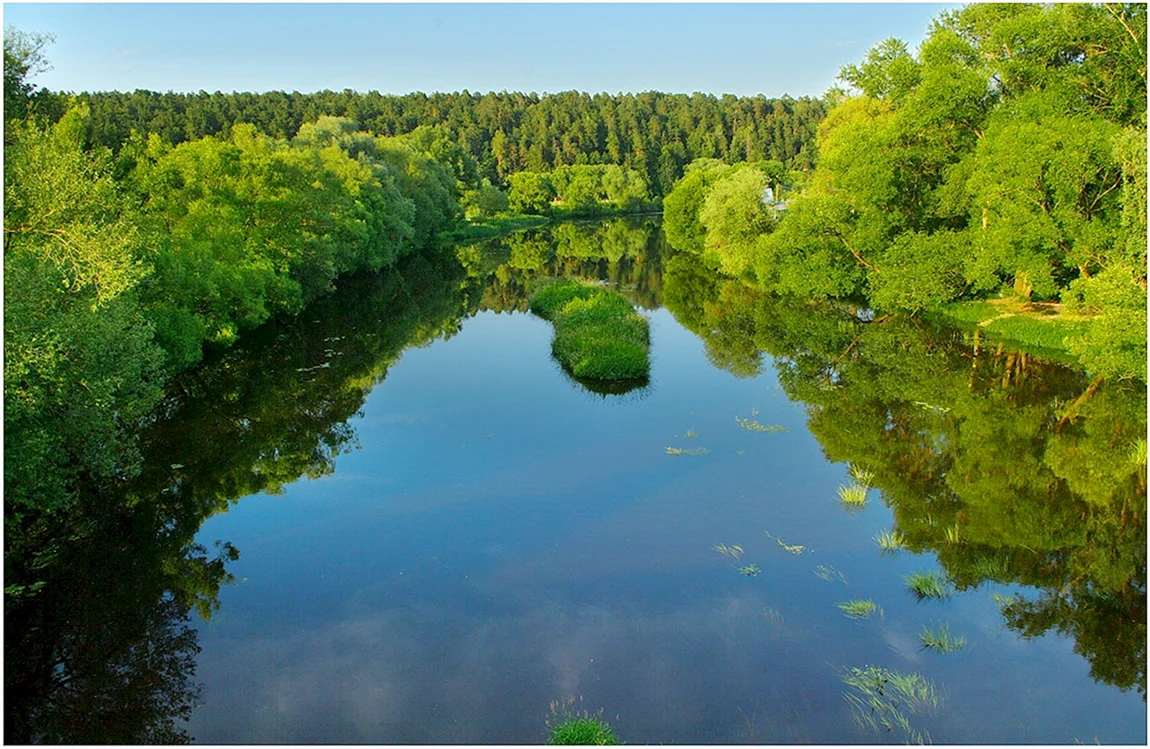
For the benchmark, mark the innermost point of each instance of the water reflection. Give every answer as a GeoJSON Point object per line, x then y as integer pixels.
{"type": "Point", "coordinates": [1010, 468]}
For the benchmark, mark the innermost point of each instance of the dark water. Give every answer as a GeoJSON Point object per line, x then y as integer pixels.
{"type": "Point", "coordinates": [398, 521]}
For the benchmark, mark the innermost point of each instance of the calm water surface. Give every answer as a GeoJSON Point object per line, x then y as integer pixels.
{"type": "Point", "coordinates": [483, 536]}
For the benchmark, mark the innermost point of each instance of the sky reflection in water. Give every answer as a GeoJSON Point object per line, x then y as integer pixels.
{"type": "Point", "coordinates": [503, 539]}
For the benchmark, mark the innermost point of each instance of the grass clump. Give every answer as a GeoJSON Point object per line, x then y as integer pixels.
{"type": "Point", "coordinates": [890, 541]}
{"type": "Point", "coordinates": [941, 640]}
{"type": "Point", "coordinates": [853, 496]}
{"type": "Point", "coordinates": [830, 574]}
{"type": "Point", "coordinates": [598, 335]}
{"type": "Point", "coordinates": [883, 699]}
{"type": "Point", "coordinates": [928, 585]}
{"type": "Point", "coordinates": [570, 727]}
{"type": "Point", "coordinates": [859, 608]}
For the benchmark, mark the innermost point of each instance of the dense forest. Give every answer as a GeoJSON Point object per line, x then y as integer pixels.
{"type": "Point", "coordinates": [652, 133]}
{"type": "Point", "coordinates": [1006, 157]}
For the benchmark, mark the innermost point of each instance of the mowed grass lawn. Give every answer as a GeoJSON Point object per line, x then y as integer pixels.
{"type": "Point", "coordinates": [598, 335]}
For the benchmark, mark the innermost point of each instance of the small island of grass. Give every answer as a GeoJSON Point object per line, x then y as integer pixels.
{"type": "Point", "coordinates": [598, 334]}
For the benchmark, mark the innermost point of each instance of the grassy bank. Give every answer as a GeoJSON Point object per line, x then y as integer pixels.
{"type": "Point", "coordinates": [1040, 328]}
{"type": "Point", "coordinates": [479, 230]}
{"type": "Point", "coordinates": [598, 335]}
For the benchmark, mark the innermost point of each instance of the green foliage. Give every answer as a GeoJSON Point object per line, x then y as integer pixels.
{"type": "Point", "coordinates": [941, 640]}
{"type": "Point", "coordinates": [859, 608]}
{"type": "Point", "coordinates": [80, 369]}
{"type": "Point", "coordinates": [23, 59]}
{"type": "Point", "coordinates": [928, 585]}
{"type": "Point", "coordinates": [682, 204]}
{"type": "Point", "coordinates": [585, 731]}
{"type": "Point", "coordinates": [1008, 155]}
{"type": "Point", "coordinates": [598, 335]}
{"type": "Point", "coordinates": [530, 192]}
{"type": "Point", "coordinates": [653, 135]}
{"type": "Point", "coordinates": [884, 699]}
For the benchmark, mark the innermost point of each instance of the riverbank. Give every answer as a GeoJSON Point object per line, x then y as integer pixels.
{"type": "Point", "coordinates": [1037, 327]}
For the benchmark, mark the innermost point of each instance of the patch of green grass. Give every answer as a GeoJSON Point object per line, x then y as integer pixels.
{"type": "Point", "coordinates": [859, 608]}
{"type": "Point", "coordinates": [493, 227]}
{"type": "Point", "coordinates": [882, 699]}
{"type": "Point", "coordinates": [853, 496]}
{"type": "Point", "coordinates": [570, 727]}
{"type": "Point", "coordinates": [890, 541]}
{"type": "Point", "coordinates": [941, 640]}
{"type": "Point", "coordinates": [928, 585]}
{"type": "Point", "coordinates": [598, 334]}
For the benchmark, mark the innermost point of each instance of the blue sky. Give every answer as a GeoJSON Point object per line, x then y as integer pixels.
{"type": "Point", "coordinates": [742, 49]}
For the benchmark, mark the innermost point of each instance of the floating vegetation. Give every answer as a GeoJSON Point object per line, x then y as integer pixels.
{"type": "Point", "coordinates": [690, 435]}
{"type": "Point", "coordinates": [882, 699]}
{"type": "Point", "coordinates": [890, 541]}
{"type": "Point", "coordinates": [928, 585]}
{"type": "Point", "coordinates": [830, 574]}
{"type": "Point", "coordinates": [859, 608]}
{"type": "Point", "coordinates": [1004, 602]}
{"type": "Point", "coordinates": [683, 451]}
{"type": "Point", "coordinates": [941, 640]}
{"type": "Point", "coordinates": [755, 426]}
{"type": "Point", "coordinates": [853, 496]}
{"type": "Point", "coordinates": [570, 727]}
{"type": "Point", "coordinates": [734, 551]}
{"type": "Point", "coordinates": [598, 334]}
{"type": "Point", "coordinates": [750, 570]}
{"type": "Point", "coordinates": [795, 549]}
{"type": "Point", "coordinates": [862, 476]}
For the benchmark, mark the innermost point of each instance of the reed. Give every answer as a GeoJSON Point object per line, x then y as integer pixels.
{"type": "Point", "coordinates": [859, 608]}
{"type": "Point", "coordinates": [862, 476]}
{"type": "Point", "coordinates": [890, 541]}
{"type": "Point", "coordinates": [928, 585]}
{"type": "Point", "coordinates": [733, 551]}
{"type": "Point", "coordinates": [853, 496]}
{"type": "Point", "coordinates": [882, 699]}
{"type": "Point", "coordinates": [941, 640]}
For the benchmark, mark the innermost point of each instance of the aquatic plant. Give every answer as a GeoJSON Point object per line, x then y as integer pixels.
{"type": "Point", "coordinates": [734, 551]}
{"type": "Point", "coordinates": [882, 699]}
{"type": "Point", "coordinates": [598, 334]}
{"type": "Point", "coordinates": [690, 435]}
{"type": "Point", "coordinates": [795, 549]}
{"type": "Point", "coordinates": [941, 640]}
{"type": "Point", "coordinates": [928, 585]}
{"type": "Point", "coordinates": [862, 476]}
{"type": "Point", "coordinates": [951, 533]}
{"type": "Point", "coordinates": [570, 727]}
{"type": "Point", "coordinates": [890, 541]}
{"type": "Point", "coordinates": [684, 451]}
{"type": "Point", "coordinates": [830, 574]}
{"type": "Point", "coordinates": [853, 496]}
{"type": "Point", "coordinates": [859, 608]}
{"type": "Point", "coordinates": [750, 570]}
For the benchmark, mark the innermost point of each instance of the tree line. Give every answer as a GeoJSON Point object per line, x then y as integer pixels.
{"type": "Point", "coordinates": [652, 133]}
{"type": "Point", "coordinates": [1007, 155]}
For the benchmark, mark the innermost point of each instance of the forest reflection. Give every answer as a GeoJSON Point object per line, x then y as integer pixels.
{"type": "Point", "coordinates": [1010, 468]}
